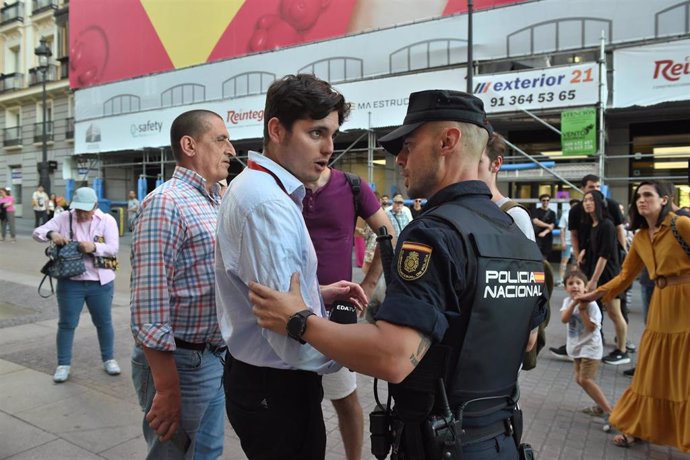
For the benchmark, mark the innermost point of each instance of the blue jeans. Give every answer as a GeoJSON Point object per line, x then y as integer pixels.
{"type": "Point", "coordinates": [71, 296]}
{"type": "Point", "coordinates": [202, 404]}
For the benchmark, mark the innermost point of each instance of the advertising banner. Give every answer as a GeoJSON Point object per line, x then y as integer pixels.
{"type": "Point", "coordinates": [653, 74]}
{"type": "Point", "coordinates": [375, 103]}
{"type": "Point", "coordinates": [548, 88]}
{"type": "Point", "coordinates": [114, 40]}
{"type": "Point", "coordinates": [578, 131]}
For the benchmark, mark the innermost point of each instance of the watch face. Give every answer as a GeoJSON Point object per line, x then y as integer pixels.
{"type": "Point", "coordinates": [297, 324]}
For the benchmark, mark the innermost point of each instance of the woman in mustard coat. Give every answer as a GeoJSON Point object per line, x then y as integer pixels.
{"type": "Point", "coordinates": [656, 407]}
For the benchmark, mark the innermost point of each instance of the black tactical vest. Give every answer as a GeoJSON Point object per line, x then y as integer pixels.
{"type": "Point", "coordinates": [481, 353]}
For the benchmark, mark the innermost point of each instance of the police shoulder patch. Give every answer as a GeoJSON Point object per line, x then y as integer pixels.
{"type": "Point", "coordinates": [413, 260]}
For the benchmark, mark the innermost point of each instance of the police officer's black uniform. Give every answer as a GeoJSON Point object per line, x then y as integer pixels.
{"type": "Point", "coordinates": [432, 284]}
{"type": "Point", "coordinates": [421, 297]}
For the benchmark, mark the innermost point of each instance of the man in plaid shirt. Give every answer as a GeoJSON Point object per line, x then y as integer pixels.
{"type": "Point", "coordinates": [176, 363]}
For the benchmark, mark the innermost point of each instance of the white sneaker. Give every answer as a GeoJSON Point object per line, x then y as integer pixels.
{"type": "Point", "coordinates": [61, 374]}
{"type": "Point", "coordinates": [111, 367]}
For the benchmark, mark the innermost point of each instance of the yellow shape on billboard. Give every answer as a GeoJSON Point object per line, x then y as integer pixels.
{"type": "Point", "coordinates": [190, 29]}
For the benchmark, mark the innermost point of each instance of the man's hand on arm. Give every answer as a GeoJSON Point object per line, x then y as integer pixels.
{"type": "Point", "coordinates": [164, 415]}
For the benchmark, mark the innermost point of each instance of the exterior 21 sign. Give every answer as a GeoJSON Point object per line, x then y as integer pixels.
{"type": "Point", "coordinates": [549, 88]}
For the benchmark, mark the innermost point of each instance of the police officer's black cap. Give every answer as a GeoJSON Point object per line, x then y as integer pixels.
{"type": "Point", "coordinates": [436, 105]}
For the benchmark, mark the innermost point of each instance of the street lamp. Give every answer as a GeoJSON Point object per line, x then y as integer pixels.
{"type": "Point", "coordinates": [43, 52]}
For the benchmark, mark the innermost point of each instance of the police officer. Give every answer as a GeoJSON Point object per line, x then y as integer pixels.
{"type": "Point", "coordinates": [464, 301]}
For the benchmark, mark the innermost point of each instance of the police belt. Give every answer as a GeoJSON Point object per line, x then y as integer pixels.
{"type": "Point", "coordinates": [471, 435]}
{"type": "Point", "coordinates": [179, 343]}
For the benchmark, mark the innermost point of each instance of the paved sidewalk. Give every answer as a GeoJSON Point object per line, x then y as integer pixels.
{"type": "Point", "coordinates": [96, 416]}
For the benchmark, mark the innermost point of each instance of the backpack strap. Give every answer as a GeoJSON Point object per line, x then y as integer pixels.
{"type": "Point", "coordinates": [355, 185]}
{"type": "Point", "coordinates": [510, 204]}
{"type": "Point", "coordinates": [678, 237]}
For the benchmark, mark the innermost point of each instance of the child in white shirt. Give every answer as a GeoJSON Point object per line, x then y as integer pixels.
{"type": "Point", "coordinates": [584, 342]}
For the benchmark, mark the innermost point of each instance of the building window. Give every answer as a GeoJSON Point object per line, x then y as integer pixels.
{"type": "Point", "coordinates": [12, 134]}
{"type": "Point", "coordinates": [336, 69]}
{"type": "Point", "coordinates": [558, 35]}
{"type": "Point", "coordinates": [246, 84]}
{"type": "Point", "coordinates": [124, 103]}
{"type": "Point", "coordinates": [428, 54]}
{"type": "Point", "coordinates": [674, 20]}
{"type": "Point", "coordinates": [186, 93]}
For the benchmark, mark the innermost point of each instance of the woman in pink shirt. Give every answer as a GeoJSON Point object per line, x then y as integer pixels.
{"type": "Point", "coordinates": [99, 241]}
{"type": "Point", "coordinates": [7, 220]}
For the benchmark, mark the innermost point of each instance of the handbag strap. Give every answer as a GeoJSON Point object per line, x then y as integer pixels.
{"type": "Point", "coordinates": [679, 238]}
{"type": "Point", "coordinates": [71, 234]}
{"type": "Point", "coordinates": [52, 290]}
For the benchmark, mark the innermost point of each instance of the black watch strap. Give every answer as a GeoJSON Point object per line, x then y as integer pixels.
{"type": "Point", "coordinates": [297, 325]}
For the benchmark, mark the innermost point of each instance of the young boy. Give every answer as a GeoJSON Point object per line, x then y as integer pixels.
{"type": "Point", "coordinates": [584, 343]}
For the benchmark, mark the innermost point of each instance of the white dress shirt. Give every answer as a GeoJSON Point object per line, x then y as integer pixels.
{"type": "Point", "coordinates": [262, 237]}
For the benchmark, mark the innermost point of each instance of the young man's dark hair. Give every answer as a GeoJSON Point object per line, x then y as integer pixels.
{"type": "Point", "coordinates": [636, 220]}
{"type": "Point", "coordinates": [496, 147]}
{"type": "Point", "coordinates": [544, 195]}
{"type": "Point", "coordinates": [301, 97]}
{"type": "Point", "coordinates": [589, 178]}
{"type": "Point", "coordinates": [192, 123]}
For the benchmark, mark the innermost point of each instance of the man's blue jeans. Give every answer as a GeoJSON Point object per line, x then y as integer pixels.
{"type": "Point", "coordinates": [203, 404]}
{"type": "Point", "coordinates": [71, 296]}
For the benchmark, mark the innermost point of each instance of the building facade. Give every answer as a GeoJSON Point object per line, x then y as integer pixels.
{"type": "Point", "coordinates": [535, 63]}
{"type": "Point", "coordinates": [22, 25]}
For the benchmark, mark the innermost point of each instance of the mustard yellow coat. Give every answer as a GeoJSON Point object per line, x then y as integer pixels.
{"type": "Point", "coordinates": [655, 406]}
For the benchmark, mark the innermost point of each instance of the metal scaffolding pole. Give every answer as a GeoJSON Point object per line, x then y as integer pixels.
{"type": "Point", "coordinates": [371, 143]}
{"type": "Point", "coordinates": [535, 161]}
{"type": "Point", "coordinates": [603, 97]}
{"type": "Point", "coordinates": [470, 42]}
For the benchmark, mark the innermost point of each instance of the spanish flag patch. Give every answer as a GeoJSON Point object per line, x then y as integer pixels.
{"type": "Point", "coordinates": [538, 277]}
{"type": "Point", "coordinates": [413, 260]}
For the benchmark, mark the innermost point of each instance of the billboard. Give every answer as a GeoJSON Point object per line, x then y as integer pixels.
{"type": "Point", "coordinates": [648, 75]}
{"type": "Point", "coordinates": [114, 40]}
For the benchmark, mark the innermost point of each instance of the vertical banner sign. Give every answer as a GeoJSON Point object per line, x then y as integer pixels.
{"type": "Point", "coordinates": [579, 131]}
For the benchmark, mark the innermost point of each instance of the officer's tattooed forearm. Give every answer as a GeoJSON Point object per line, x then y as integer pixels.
{"type": "Point", "coordinates": [424, 345]}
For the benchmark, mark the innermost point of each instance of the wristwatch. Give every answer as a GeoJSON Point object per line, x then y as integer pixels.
{"type": "Point", "coordinates": [297, 325]}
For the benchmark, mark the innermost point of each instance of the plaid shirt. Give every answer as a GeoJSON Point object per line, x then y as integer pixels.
{"type": "Point", "coordinates": [173, 281]}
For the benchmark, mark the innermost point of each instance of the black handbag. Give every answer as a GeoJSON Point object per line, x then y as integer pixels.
{"type": "Point", "coordinates": [64, 262]}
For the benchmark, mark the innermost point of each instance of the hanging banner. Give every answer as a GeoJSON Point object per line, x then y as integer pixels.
{"type": "Point", "coordinates": [375, 103]}
{"type": "Point", "coordinates": [653, 74]}
{"type": "Point", "coordinates": [579, 132]}
{"type": "Point", "coordinates": [553, 87]}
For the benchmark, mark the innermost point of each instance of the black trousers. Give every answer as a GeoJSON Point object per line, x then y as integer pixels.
{"type": "Point", "coordinates": [276, 413]}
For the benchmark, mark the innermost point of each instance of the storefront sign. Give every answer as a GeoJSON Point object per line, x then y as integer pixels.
{"type": "Point", "coordinates": [653, 74]}
{"type": "Point", "coordinates": [548, 88]}
{"type": "Point", "coordinates": [578, 131]}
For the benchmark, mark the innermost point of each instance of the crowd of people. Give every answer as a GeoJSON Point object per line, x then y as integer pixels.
{"type": "Point", "coordinates": [243, 305]}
